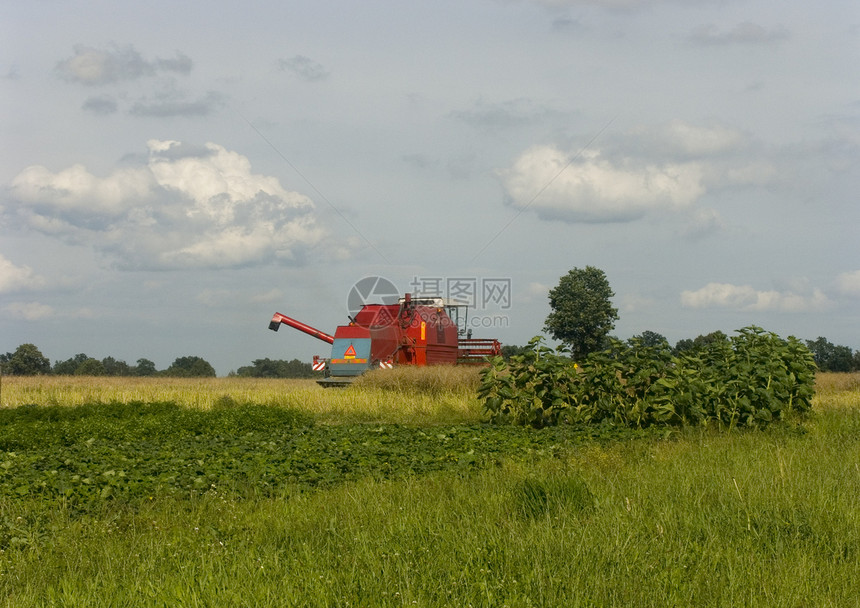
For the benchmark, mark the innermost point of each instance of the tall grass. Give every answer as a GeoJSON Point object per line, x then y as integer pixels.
{"type": "Point", "coordinates": [839, 391]}
{"type": "Point", "coordinates": [199, 393]}
{"type": "Point", "coordinates": [435, 379]}
{"type": "Point", "coordinates": [446, 400]}
{"type": "Point", "coordinates": [827, 383]}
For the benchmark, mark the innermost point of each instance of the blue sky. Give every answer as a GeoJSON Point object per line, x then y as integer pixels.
{"type": "Point", "coordinates": [173, 174]}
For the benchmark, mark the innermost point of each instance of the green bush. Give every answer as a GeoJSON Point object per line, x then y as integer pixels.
{"type": "Point", "coordinates": [747, 380]}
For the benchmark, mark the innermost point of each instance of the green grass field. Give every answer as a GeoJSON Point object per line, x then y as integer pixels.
{"type": "Point", "coordinates": [274, 493]}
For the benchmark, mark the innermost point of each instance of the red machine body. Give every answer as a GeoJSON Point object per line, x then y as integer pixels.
{"type": "Point", "coordinates": [415, 331]}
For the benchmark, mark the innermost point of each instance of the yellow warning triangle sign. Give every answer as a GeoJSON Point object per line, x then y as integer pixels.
{"type": "Point", "coordinates": [350, 352]}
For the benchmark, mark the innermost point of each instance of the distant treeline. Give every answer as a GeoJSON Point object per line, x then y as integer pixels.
{"type": "Point", "coordinates": [28, 360]}
{"type": "Point", "coordinates": [275, 368]}
{"type": "Point", "coordinates": [828, 356]}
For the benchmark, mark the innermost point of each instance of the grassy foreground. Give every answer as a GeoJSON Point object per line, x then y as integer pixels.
{"type": "Point", "coordinates": [757, 518]}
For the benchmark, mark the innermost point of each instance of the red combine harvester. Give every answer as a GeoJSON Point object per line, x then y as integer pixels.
{"type": "Point", "coordinates": [415, 331]}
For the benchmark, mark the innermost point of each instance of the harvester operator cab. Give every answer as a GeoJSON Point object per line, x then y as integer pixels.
{"type": "Point", "coordinates": [457, 311]}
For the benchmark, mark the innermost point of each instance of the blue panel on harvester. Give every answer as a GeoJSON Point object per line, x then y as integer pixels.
{"type": "Point", "coordinates": [349, 356]}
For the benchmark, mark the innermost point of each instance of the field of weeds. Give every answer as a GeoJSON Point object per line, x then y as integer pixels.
{"type": "Point", "coordinates": [251, 493]}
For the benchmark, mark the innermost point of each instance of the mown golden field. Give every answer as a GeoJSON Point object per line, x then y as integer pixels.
{"type": "Point", "coordinates": [405, 395]}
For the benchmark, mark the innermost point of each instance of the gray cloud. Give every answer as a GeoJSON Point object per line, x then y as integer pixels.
{"type": "Point", "coordinates": [567, 24]}
{"type": "Point", "coordinates": [173, 104]}
{"type": "Point", "coordinates": [181, 63]}
{"type": "Point", "coordinates": [503, 114]}
{"type": "Point", "coordinates": [93, 67]}
{"type": "Point", "coordinates": [419, 160]}
{"type": "Point", "coordinates": [462, 166]}
{"type": "Point", "coordinates": [606, 3]}
{"type": "Point", "coordinates": [616, 4]}
{"type": "Point", "coordinates": [743, 33]}
{"type": "Point", "coordinates": [102, 105]}
{"type": "Point", "coordinates": [305, 68]}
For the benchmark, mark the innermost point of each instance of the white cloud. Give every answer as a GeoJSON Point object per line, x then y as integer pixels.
{"type": "Point", "coordinates": [678, 140]}
{"type": "Point", "coordinates": [214, 298]}
{"type": "Point", "coordinates": [28, 311]}
{"type": "Point", "coordinates": [76, 190]}
{"type": "Point", "coordinates": [664, 167]}
{"type": "Point", "coordinates": [535, 289]}
{"type": "Point", "coordinates": [697, 141]}
{"type": "Point", "coordinates": [36, 311]}
{"type": "Point", "coordinates": [849, 283]}
{"type": "Point", "coordinates": [634, 302]}
{"type": "Point", "coordinates": [220, 173]}
{"type": "Point", "coordinates": [745, 297]}
{"type": "Point", "coordinates": [533, 292]}
{"type": "Point", "coordinates": [186, 207]}
{"type": "Point", "coordinates": [18, 278]}
{"type": "Point", "coordinates": [595, 189]}
{"type": "Point", "coordinates": [701, 223]}
{"type": "Point", "coordinates": [273, 295]}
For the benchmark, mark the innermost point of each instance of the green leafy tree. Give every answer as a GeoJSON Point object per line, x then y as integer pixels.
{"type": "Point", "coordinates": [830, 357]}
{"type": "Point", "coordinates": [511, 350]}
{"type": "Point", "coordinates": [114, 367]}
{"type": "Point", "coordinates": [69, 366]}
{"type": "Point", "coordinates": [276, 368]}
{"type": "Point", "coordinates": [144, 367]}
{"type": "Point", "coordinates": [682, 346]}
{"type": "Point", "coordinates": [582, 312]}
{"type": "Point", "coordinates": [843, 359]}
{"type": "Point", "coordinates": [700, 342]}
{"type": "Point", "coordinates": [650, 339]}
{"type": "Point", "coordinates": [90, 367]}
{"type": "Point", "coordinates": [27, 360]}
{"type": "Point", "coordinates": [190, 367]}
